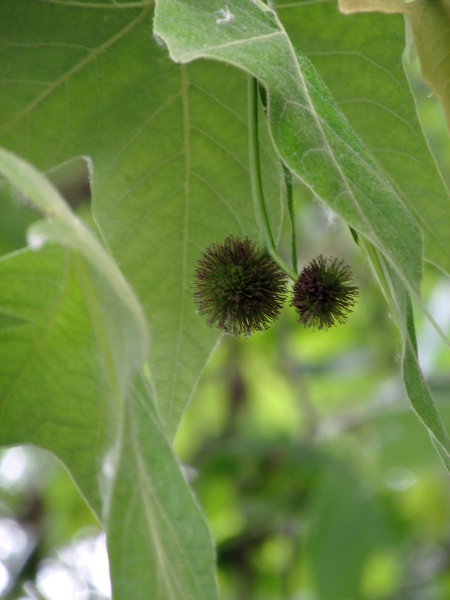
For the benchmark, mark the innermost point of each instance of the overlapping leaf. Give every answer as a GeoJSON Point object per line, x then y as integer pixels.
{"type": "Point", "coordinates": [310, 133]}
{"type": "Point", "coordinates": [360, 58]}
{"type": "Point", "coordinates": [316, 142]}
{"type": "Point", "coordinates": [70, 349]}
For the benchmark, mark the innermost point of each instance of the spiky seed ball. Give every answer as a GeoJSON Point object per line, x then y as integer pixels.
{"type": "Point", "coordinates": [324, 293]}
{"type": "Point", "coordinates": [238, 289]}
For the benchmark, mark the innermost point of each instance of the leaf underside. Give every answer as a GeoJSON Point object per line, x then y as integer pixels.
{"type": "Point", "coordinates": [70, 383]}
{"type": "Point", "coordinates": [316, 142]}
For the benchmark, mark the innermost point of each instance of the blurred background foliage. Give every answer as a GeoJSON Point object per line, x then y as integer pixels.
{"type": "Point", "coordinates": [316, 478]}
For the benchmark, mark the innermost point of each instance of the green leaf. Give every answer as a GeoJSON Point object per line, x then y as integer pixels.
{"type": "Point", "coordinates": [367, 78]}
{"type": "Point", "coordinates": [430, 23]}
{"type": "Point", "coordinates": [416, 387]}
{"type": "Point", "coordinates": [360, 59]}
{"type": "Point", "coordinates": [167, 148]}
{"type": "Point", "coordinates": [310, 133]}
{"type": "Point", "coordinates": [63, 227]}
{"type": "Point", "coordinates": [70, 383]}
{"type": "Point", "coordinates": [169, 555]}
{"type": "Point", "coordinates": [316, 142]}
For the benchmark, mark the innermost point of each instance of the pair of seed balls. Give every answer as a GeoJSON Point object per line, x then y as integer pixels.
{"type": "Point", "coordinates": [241, 290]}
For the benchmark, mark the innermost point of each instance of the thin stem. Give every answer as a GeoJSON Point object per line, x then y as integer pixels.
{"type": "Point", "coordinates": [259, 204]}
{"type": "Point", "coordinates": [282, 263]}
{"type": "Point", "coordinates": [290, 205]}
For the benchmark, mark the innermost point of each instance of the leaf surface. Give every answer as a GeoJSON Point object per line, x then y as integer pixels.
{"type": "Point", "coordinates": [157, 537]}
{"type": "Point", "coordinates": [70, 354]}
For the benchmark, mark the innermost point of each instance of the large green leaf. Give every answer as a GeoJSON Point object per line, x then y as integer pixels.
{"type": "Point", "coordinates": [168, 156]}
{"type": "Point", "coordinates": [316, 142]}
{"type": "Point", "coordinates": [70, 349]}
{"type": "Point", "coordinates": [310, 133]}
{"type": "Point", "coordinates": [360, 59]}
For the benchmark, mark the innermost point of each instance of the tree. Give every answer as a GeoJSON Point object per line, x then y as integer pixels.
{"type": "Point", "coordinates": [193, 119]}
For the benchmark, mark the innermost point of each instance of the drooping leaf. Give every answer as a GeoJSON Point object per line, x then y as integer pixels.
{"type": "Point", "coordinates": [157, 540]}
{"type": "Point", "coordinates": [71, 349]}
{"type": "Point", "coordinates": [315, 141]}
{"type": "Point", "coordinates": [360, 57]}
{"type": "Point", "coordinates": [416, 387]}
{"type": "Point", "coordinates": [63, 227]}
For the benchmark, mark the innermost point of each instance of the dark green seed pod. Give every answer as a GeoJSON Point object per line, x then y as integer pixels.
{"type": "Point", "coordinates": [324, 293]}
{"type": "Point", "coordinates": [238, 289]}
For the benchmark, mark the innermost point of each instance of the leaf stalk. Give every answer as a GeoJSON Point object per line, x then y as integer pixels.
{"type": "Point", "coordinates": [259, 204]}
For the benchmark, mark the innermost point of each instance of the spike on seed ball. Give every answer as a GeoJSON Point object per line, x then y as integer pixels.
{"type": "Point", "coordinates": [324, 293]}
{"type": "Point", "coordinates": [238, 289]}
